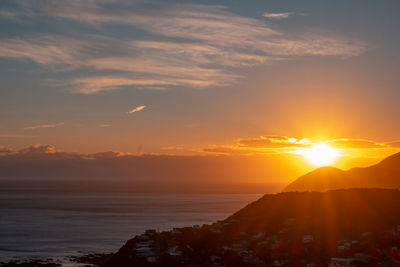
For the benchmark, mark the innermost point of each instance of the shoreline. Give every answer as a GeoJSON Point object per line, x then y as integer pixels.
{"type": "Point", "coordinates": [85, 260]}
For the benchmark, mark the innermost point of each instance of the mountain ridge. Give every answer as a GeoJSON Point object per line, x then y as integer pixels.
{"type": "Point", "coordinates": [385, 174]}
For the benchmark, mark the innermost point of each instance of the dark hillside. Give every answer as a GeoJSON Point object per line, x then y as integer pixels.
{"type": "Point", "coordinates": [291, 229]}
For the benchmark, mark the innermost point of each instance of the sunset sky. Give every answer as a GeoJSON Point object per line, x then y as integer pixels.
{"type": "Point", "coordinates": [258, 78]}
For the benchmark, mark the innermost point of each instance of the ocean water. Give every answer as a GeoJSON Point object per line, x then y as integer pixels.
{"type": "Point", "coordinates": [60, 225]}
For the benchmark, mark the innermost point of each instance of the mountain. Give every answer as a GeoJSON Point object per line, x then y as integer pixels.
{"type": "Point", "coordinates": [385, 174]}
{"type": "Point", "coordinates": [336, 212]}
{"type": "Point", "coordinates": [284, 229]}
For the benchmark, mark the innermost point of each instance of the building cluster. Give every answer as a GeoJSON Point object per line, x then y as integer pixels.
{"type": "Point", "coordinates": [219, 245]}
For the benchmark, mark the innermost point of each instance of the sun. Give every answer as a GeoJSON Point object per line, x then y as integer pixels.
{"type": "Point", "coordinates": [321, 154]}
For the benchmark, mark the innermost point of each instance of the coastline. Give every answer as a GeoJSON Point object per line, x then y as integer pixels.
{"type": "Point", "coordinates": [66, 226]}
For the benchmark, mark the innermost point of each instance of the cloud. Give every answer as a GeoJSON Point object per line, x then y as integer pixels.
{"type": "Point", "coordinates": [169, 148]}
{"type": "Point", "coordinates": [225, 150]}
{"type": "Point", "coordinates": [38, 149]}
{"type": "Point", "coordinates": [48, 50]}
{"type": "Point", "coordinates": [9, 15]}
{"type": "Point", "coordinates": [43, 126]}
{"type": "Point", "coordinates": [5, 150]}
{"type": "Point", "coordinates": [98, 84]}
{"type": "Point", "coordinates": [107, 155]}
{"type": "Point", "coordinates": [277, 15]}
{"type": "Point", "coordinates": [355, 144]}
{"type": "Point", "coordinates": [273, 141]}
{"type": "Point", "coordinates": [393, 144]}
{"type": "Point", "coordinates": [45, 168]}
{"type": "Point", "coordinates": [268, 144]}
{"type": "Point", "coordinates": [271, 145]}
{"type": "Point", "coordinates": [139, 108]}
{"type": "Point", "coordinates": [105, 125]}
{"type": "Point", "coordinates": [185, 45]}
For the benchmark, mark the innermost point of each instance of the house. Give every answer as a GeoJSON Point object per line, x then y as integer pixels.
{"type": "Point", "coordinates": [279, 262]}
{"type": "Point", "coordinates": [238, 247]}
{"type": "Point", "coordinates": [145, 252]}
{"type": "Point", "coordinates": [359, 259]}
{"type": "Point", "coordinates": [308, 239]}
{"type": "Point", "coordinates": [362, 257]}
{"type": "Point", "coordinates": [215, 230]}
{"type": "Point", "coordinates": [366, 234]}
{"type": "Point", "coordinates": [151, 259]}
{"type": "Point", "coordinates": [150, 232]}
{"type": "Point", "coordinates": [214, 258]}
{"type": "Point", "coordinates": [244, 253]}
{"type": "Point", "coordinates": [174, 251]}
{"type": "Point", "coordinates": [143, 237]}
{"type": "Point", "coordinates": [258, 236]}
{"type": "Point", "coordinates": [340, 262]}
{"type": "Point", "coordinates": [345, 246]}
{"type": "Point", "coordinates": [258, 263]}
{"type": "Point", "coordinates": [176, 231]}
{"type": "Point", "coordinates": [145, 243]}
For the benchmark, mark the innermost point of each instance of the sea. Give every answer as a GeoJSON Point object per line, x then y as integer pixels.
{"type": "Point", "coordinates": [46, 225]}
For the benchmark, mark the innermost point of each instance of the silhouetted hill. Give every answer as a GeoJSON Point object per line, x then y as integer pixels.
{"type": "Point", "coordinates": [290, 229]}
{"type": "Point", "coordinates": [385, 174]}
{"type": "Point", "coordinates": [336, 212]}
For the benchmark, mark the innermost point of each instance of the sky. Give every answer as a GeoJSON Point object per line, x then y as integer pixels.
{"type": "Point", "coordinates": [244, 78]}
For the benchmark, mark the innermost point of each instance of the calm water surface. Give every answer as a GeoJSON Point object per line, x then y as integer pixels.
{"type": "Point", "coordinates": [59, 225]}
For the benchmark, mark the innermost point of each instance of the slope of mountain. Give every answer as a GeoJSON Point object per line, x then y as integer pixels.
{"type": "Point", "coordinates": [285, 229]}
{"type": "Point", "coordinates": [385, 174]}
{"type": "Point", "coordinates": [335, 212]}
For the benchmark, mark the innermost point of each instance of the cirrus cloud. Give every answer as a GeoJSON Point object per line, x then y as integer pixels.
{"type": "Point", "coordinates": [356, 144]}
{"type": "Point", "coordinates": [185, 45]}
{"type": "Point", "coordinates": [44, 126]}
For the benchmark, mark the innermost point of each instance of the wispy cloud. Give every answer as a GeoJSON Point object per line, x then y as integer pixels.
{"type": "Point", "coordinates": [41, 126]}
{"type": "Point", "coordinates": [170, 148]}
{"type": "Point", "coordinates": [96, 84]}
{"type": "Point", "coordinates": [268, 144]}
{"type": "Point", "coordinates": [14, 135]}
{"type": "Point", "coordinates": [105, 125]}
{"type": "Point", "coordinates": [394, 144]}
{"type": "Point", "coordinates": [139, 108]}
{"type": "Point", "coordinates": [10, 15]}
{"type": "Point", "coordinates": [274, 141]}
{"type": "Point", "coordinates": [193, 46]}
{"type": "Point", "coordinates": [278, 15]}
{"type": "Point", "coordinates": [357, 144]}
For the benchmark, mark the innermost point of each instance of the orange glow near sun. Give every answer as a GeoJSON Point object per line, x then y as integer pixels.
{"type": "Point", "coordinates": [321, 154]}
